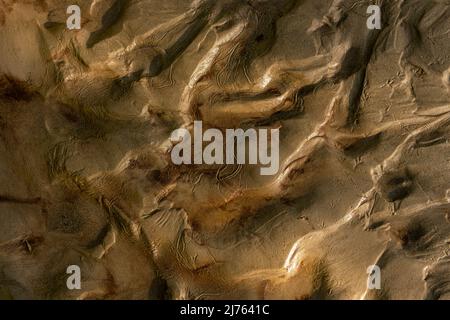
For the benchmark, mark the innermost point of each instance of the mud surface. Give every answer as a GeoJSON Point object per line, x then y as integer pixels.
{"type": "Point", "coordinates": [85, 171]}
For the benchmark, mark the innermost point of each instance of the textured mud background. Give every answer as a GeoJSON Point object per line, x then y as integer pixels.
{"type": "Point", "coordinates": [86, 177]}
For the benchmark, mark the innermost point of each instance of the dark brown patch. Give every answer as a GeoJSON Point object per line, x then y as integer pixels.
{"type": "Point", "coordinates": [2, 18]}
{"type": "Point", "coordinates": [14, 89]}
{"type": "Point", "coordinates": [159, 289]}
